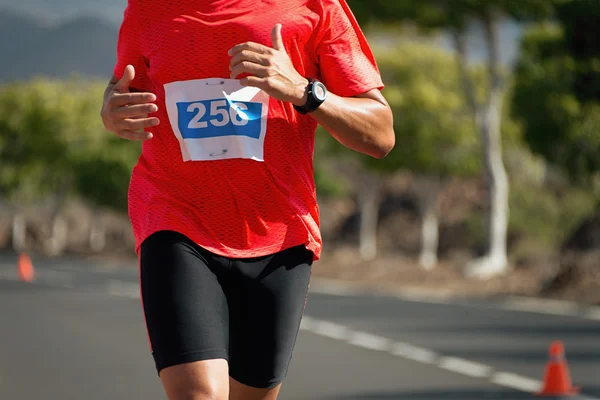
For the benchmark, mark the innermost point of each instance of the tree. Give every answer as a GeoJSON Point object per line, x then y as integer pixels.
{"type": "Point", "coordinates": [33, 164]}
{"type": "Point", "coordinates": [53, 146]}
{"type": "Point", "coordinates": [557, 89]}
{"type": "Point", "coordinates": [434, 137]}
{"type": "Point", "coordinates": [486, 109]}
{"type": "Point", "coordinates": [102, 164]}
{"type": "Point", "coordinates": [557, 99]}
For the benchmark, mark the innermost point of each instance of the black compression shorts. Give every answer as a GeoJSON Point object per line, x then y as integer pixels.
{"type": "Point", "coordinates": [200, 306]}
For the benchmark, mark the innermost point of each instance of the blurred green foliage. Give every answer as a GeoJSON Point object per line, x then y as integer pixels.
{"type": "Point", "coordinates": [52, 138]}
{"type": "Point", "coordinates": [541, 218]}
{"type": "Point", "coordinates": [561, 119]}
{"type": "Point", "coordinates": [434, 129]}
{"type": "Point", "coordinates": [542, 214]}
{"type": "Point", "coordinates": [431, 14]}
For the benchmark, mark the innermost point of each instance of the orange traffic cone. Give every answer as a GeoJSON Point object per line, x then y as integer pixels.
{"type": "Point", "coordinates": [25, 267]}
{"type": "Point", "coordinates": [557, 381]}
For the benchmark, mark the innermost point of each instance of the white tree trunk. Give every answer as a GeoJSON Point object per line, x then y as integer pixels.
{"type": "Point", "coordinates": [428, 189]}
{"type": "Point", "coordinates": [19, 232]}
{"type": "Point", "coordinates": [498, 184]}
{"type": "Point", "coordinates": [57, 243]}
{"type": "Point", "coordinates": [97, 234]}
{"type": "Point", "coordinates": [429, 239]}
{"type": "Point", "coordinates": [369, 216]}
{"type": "Point", "coordinates": [495, 262]}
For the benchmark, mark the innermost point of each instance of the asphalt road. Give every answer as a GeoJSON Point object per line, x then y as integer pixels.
{"type": "Point", "coordinates": [77, 333]}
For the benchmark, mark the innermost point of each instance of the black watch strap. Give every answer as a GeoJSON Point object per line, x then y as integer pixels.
{"type": "Point", "coordinates": [316, 95]}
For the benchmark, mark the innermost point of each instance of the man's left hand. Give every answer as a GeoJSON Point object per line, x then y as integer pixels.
{"type": "Point", "coordinates": [270, 69]}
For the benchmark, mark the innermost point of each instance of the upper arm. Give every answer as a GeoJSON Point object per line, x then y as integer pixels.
{"type": "Point", "coordinates": [374, 94]}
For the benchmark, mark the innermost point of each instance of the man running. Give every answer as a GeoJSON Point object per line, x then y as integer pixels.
{"type": "Point", "coordinates": [226, 96]}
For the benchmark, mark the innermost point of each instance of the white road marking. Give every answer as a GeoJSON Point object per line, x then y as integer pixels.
{"type": "Point", "coordinates": [370, 341]}
{"type": "Point", "coordinates": [123, 289]}
{"type": "Point", "coordinates": [48, 277]}
{"type": "Point", "coordinates": [593, 313]}
{"type": "Point", "coordinates": [544, 306]}
{"type": "Point", "coordinates": [465, 367]}
{"type": "Point", "coordinates": [306, 323]}
{"type": "Point", "coordinates": [517, 382]}
{"type": "Point", "coordinates": [425, 356]}
{"type": "Point", "coordinates": [332, 288]}
{"type": "Point", "coordinates": [330, 330]}
{"type": "Point", "coordinates": [55, 278]}
{"type": "Point", "coordinates": [373, 342]}
{"type": "Point", "coordinates": [414, 353]}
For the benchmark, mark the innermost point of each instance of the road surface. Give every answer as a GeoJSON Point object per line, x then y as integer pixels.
{"type": "Point", "coordinates": [77, 332]}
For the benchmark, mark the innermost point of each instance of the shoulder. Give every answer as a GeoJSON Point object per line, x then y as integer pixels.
{"type": "Point", "coordinates": [333, 13]}
{"type": "Point", "coordinates": [138, 7]}
{"type": "Point", "coordinates": [330, 6]}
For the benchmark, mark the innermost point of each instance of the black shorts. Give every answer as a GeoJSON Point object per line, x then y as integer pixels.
{"type": "Point", "coordinates": [200, 306]}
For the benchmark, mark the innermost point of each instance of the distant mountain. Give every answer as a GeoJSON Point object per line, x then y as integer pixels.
{"type": "Point", "coordinates": [56, 10]}
{"type": "Point", "coordinates": [58, 38]}
{"type": "Point", "coordinates": [31, 46]}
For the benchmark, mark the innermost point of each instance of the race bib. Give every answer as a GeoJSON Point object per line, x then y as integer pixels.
{"type": "Point", "coordinates": [217, 119]}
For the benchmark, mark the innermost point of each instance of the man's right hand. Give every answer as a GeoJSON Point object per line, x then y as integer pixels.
{"type": "Point", "coordinates": [125, 113]}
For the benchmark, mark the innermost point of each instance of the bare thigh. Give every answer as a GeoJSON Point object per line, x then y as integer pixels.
{"type": "Point", "coordinates": [239, 391]}
{"type": "Point", "coordinates": [209, 380]}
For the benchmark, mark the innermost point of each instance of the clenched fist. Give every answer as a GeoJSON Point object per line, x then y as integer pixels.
{"type": "Point", "coordinates": [270, 69]}
{"type": "Point", "coordinates": [125, 113]}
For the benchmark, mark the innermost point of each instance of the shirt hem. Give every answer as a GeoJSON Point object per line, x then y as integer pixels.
{"type": "Point", "coordinates": [311, 245]}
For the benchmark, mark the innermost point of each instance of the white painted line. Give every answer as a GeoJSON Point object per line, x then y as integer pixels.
{"type": "Point", "coordinates": [369, 341]}
{"type": "Point", "coordinates": [306, 323]}
{"type": "Point", "coordinates": [378, 343]}
{"type": "Point", "coordinates": [66, 285]}
{"type": "Point", "coordinates": [123, 289]}
{"type": "Point", "coordinates": [422, 355]}
{"type": "Point", "coordinates": [593, 313]}
{"type": "Point", "coordinates": [331, 330]}
{"type": "Point", "coordinates": [414, 353]}
{"type": "Point", "coordinates": [56, 278]}
{"type": "Point", "coordinates": [465, 367]}
{"type": "Point", "coordinates": [517, 382]}
{"type": "Point", "coordinates": [422, 296]}
{"type": "Point", "coordinates": [544, 306]}
{"type": "Point", "coordinates": [333, 289]}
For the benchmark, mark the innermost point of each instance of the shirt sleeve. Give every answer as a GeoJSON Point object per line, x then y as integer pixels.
{"type": "Point", "coordinates": [128, 49]}
{"type": "Point", "coordinates": [346, 62]}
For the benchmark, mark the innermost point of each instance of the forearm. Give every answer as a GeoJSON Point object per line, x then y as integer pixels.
{"type": "Point", "coordinates": [363, 124]}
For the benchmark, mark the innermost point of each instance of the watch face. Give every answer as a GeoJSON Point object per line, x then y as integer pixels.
{"type": "Point", "coordinates": [320, 92]}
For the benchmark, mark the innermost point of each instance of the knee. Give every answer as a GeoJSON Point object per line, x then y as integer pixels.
{"type": "Point", "coordinates": [197, 381]}
{"type": "Point", "coordinates": [200, 394]}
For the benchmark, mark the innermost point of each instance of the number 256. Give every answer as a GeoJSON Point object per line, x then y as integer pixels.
{"type": "Point", "coordinates": [222, 113]}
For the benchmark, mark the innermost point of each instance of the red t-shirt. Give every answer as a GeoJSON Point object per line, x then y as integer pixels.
{"type": "Point", "coordinates": [231, 168]}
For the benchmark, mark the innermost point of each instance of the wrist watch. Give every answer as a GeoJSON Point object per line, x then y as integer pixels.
{"type": "Point", "coordinates": [316, 95]}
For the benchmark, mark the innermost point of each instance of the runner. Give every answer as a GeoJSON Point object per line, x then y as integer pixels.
{"type": "Point", "coordinates": [226, 96]}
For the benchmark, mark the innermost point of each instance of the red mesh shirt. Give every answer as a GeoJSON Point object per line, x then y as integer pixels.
{"type": "Point", "coordinates": [229, 168]}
